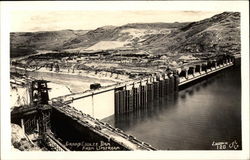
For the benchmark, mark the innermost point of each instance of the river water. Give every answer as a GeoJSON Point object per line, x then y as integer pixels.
{"type": "Point", "coordinates": [197, 118]}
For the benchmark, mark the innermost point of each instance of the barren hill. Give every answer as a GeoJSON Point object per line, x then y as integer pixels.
{"type": "Point", "coordinates": [24, 43]}
{"type": "Point", "coordinates": [220, 33]}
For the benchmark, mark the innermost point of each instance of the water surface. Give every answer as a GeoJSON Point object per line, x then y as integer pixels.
{"type": "Point", "coordinates": [207, 112]}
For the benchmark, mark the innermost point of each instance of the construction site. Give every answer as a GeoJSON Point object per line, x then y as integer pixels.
{"type": "Point", "coordinates": [49, 115]}
{"type": "Point", "coordinates": [68, 84]}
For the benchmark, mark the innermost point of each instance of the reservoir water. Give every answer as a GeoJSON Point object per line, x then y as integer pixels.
{"type": "Point", "coordinates": [196, 118]}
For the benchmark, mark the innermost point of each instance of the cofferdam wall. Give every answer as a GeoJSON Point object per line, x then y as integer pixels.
{"type": "Point", "coordinates": [81, 132]}
{"type": "Point", "coordinates": [78, 137]}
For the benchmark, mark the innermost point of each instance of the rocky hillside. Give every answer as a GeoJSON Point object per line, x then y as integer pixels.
{"type": "Point", "coordinates": [220, 33]}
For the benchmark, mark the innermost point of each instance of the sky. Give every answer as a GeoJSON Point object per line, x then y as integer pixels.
{"type": "Point", "coordinates": [31, 21]}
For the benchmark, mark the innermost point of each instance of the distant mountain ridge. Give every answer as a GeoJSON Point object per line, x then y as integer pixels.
{"type": "Point", "coordinates": [220, 33]}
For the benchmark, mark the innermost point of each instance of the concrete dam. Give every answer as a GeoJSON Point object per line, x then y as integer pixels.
{"type": "Point", "coordinates": [133, 95]}
{"type": "Point", "coordinates": [71, 122]}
